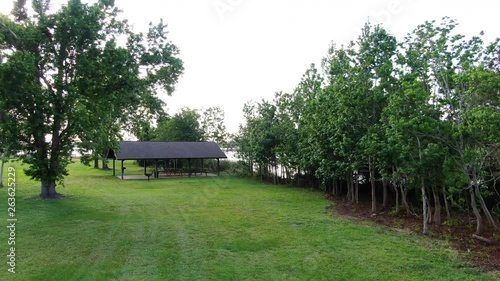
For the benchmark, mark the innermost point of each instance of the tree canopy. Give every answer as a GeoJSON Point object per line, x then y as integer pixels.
{"type": "Point", "coordinates": [183, 126]}
{"type": "Point", "coordinates": [419, 115]}
{"type": "Point", "coordinates": [76, 78]}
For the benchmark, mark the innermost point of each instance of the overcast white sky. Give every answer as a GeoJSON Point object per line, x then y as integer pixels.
{"type": "Point", "coordinates": [240, 50]}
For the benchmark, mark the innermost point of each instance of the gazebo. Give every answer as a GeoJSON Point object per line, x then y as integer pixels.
{"type": "Point", "coordinates": [162, 151]}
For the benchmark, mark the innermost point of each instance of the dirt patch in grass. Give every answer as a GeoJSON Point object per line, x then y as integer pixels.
{"type": "Point", "coordinates": [457, 232]}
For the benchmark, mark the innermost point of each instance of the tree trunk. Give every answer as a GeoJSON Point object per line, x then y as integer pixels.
{"type": "Point", "coordinates": [48, 189]}
{"type": "Point", "coordinates": [425, 229]}
{"type": "Point", "coordinates": [479, 219]}
{"type": "Point", "coordinates": [448, 216]}
{"type": "Point", "coordinates": [339, 187]}
{"type": "Point", "coordinates": [298, 177]}
{"type": "Point", "coordinates": [1, 170]}
{"type": "Point", "coordinates": [437, 206]}
{"type": "Point", "coordinates": [348, 186]}
{"type": "Point", "coordinates": [96, 163]}
{"type": "Point", "coordinates": [385, 200]}
{"type": "Point", "coordinates": [350, 191]}
{"type": "Point", "coordinates": [44, 193]}
{"type": "Point", "coordinates": [275, 174]}
{"type": "Point", "coordinates": [404, 196]}
{"type": "Point", "coordinates": [353, 192]}
{"type": "Point", "coordinates": [429, 209]}
{"type": "Point", "coordinates": [357, 191]}
{"type": "Point", "coordinates": [372, 182]}
{"type": "Point", "coordinates": [484, 207]}
{"type": "Point", "coordinates": [287, 176]}
{"type": "Point", "coordinates": [397, 198]}
{"type": "Point", "coordinates": [104, 164]}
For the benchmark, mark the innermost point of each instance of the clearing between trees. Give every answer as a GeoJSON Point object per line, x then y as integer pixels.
{"type": "Point", "coordinates": [208, 228]}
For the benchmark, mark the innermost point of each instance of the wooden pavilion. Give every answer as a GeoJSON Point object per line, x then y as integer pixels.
{"type": "Point", "coordinates": [157, 151]}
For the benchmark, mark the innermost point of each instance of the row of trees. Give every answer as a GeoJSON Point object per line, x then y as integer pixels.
{"type": "Point", "coordinates": [187, 125]}
{"type": "Point", "coordinates": [419, 116]}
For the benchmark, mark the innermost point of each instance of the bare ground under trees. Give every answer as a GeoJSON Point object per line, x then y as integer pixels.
{"type": "Point", "coordinates": [457, 232]}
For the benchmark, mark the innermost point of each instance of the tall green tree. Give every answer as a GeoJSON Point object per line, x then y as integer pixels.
{"type": "Point", "coordinates": [467, 88]}
{"type": "Point", "coordinates": [377, 49]}
{"type": "Point", "coordinates": [258, 140]}
{"type": "Point", "coordinates": [213, 126]}
{"type": "Point", "coordinates": [63, 72]}
{"type": "Point", "coordinates": [299, 109]}
{"type": "Point", "coordinates": [183, 126]}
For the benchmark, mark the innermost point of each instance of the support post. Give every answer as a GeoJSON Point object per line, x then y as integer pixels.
{"type": "Point", "coordinates": [122, 168]}
{"type": "Point", "coordinates": [156, 168]}
{"type": "Point", "coordinates": [218, 167]}
{"type": "Point", "coordinates": [144, 163]}
{"type": "Point", "coordinates": [189, 167]}
{"type": "Point", "coordinates": [114, 168]}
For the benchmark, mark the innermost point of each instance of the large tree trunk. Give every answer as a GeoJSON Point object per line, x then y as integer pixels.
{"type": "Point", "coordinates": [44, 193]}
{"type": "Point", "coordinates": [49, 186]}
{"type": "Point", "coordinates": [479, 219]}
{"type": "Point", "coordinates": [48, 189]}
{"type": "Point", "coordinates": [96, 163]}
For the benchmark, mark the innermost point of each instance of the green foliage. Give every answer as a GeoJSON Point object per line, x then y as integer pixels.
{"type": "Point", "coordinates": [421, 112]}
{"type": "Point", "coordinates": [452, 223]}
{"type": "Point", "coordinates": [213, 127]}
{"type": "Point", "coordinates": [67, 82]}
{"type": "Point", "coordinates": [183, 126]}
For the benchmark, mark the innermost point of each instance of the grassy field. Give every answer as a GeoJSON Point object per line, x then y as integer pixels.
{"type": "Point", "coordinates": [204, 228]}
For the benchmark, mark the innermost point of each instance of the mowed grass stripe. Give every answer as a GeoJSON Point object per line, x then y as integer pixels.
{"type": "Point", "coordinates": [222, 228]}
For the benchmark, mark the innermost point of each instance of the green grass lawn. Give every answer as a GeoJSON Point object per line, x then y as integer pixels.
{"type": "Point", "coordinates": [205, 228]}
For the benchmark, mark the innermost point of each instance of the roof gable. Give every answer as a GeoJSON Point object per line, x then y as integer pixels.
{"type": "Point", "coordinates": [143, 150]}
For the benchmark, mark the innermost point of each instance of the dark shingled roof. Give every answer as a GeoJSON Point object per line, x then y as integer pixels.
{"type": "Point", "coordinates": [144, 150]}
